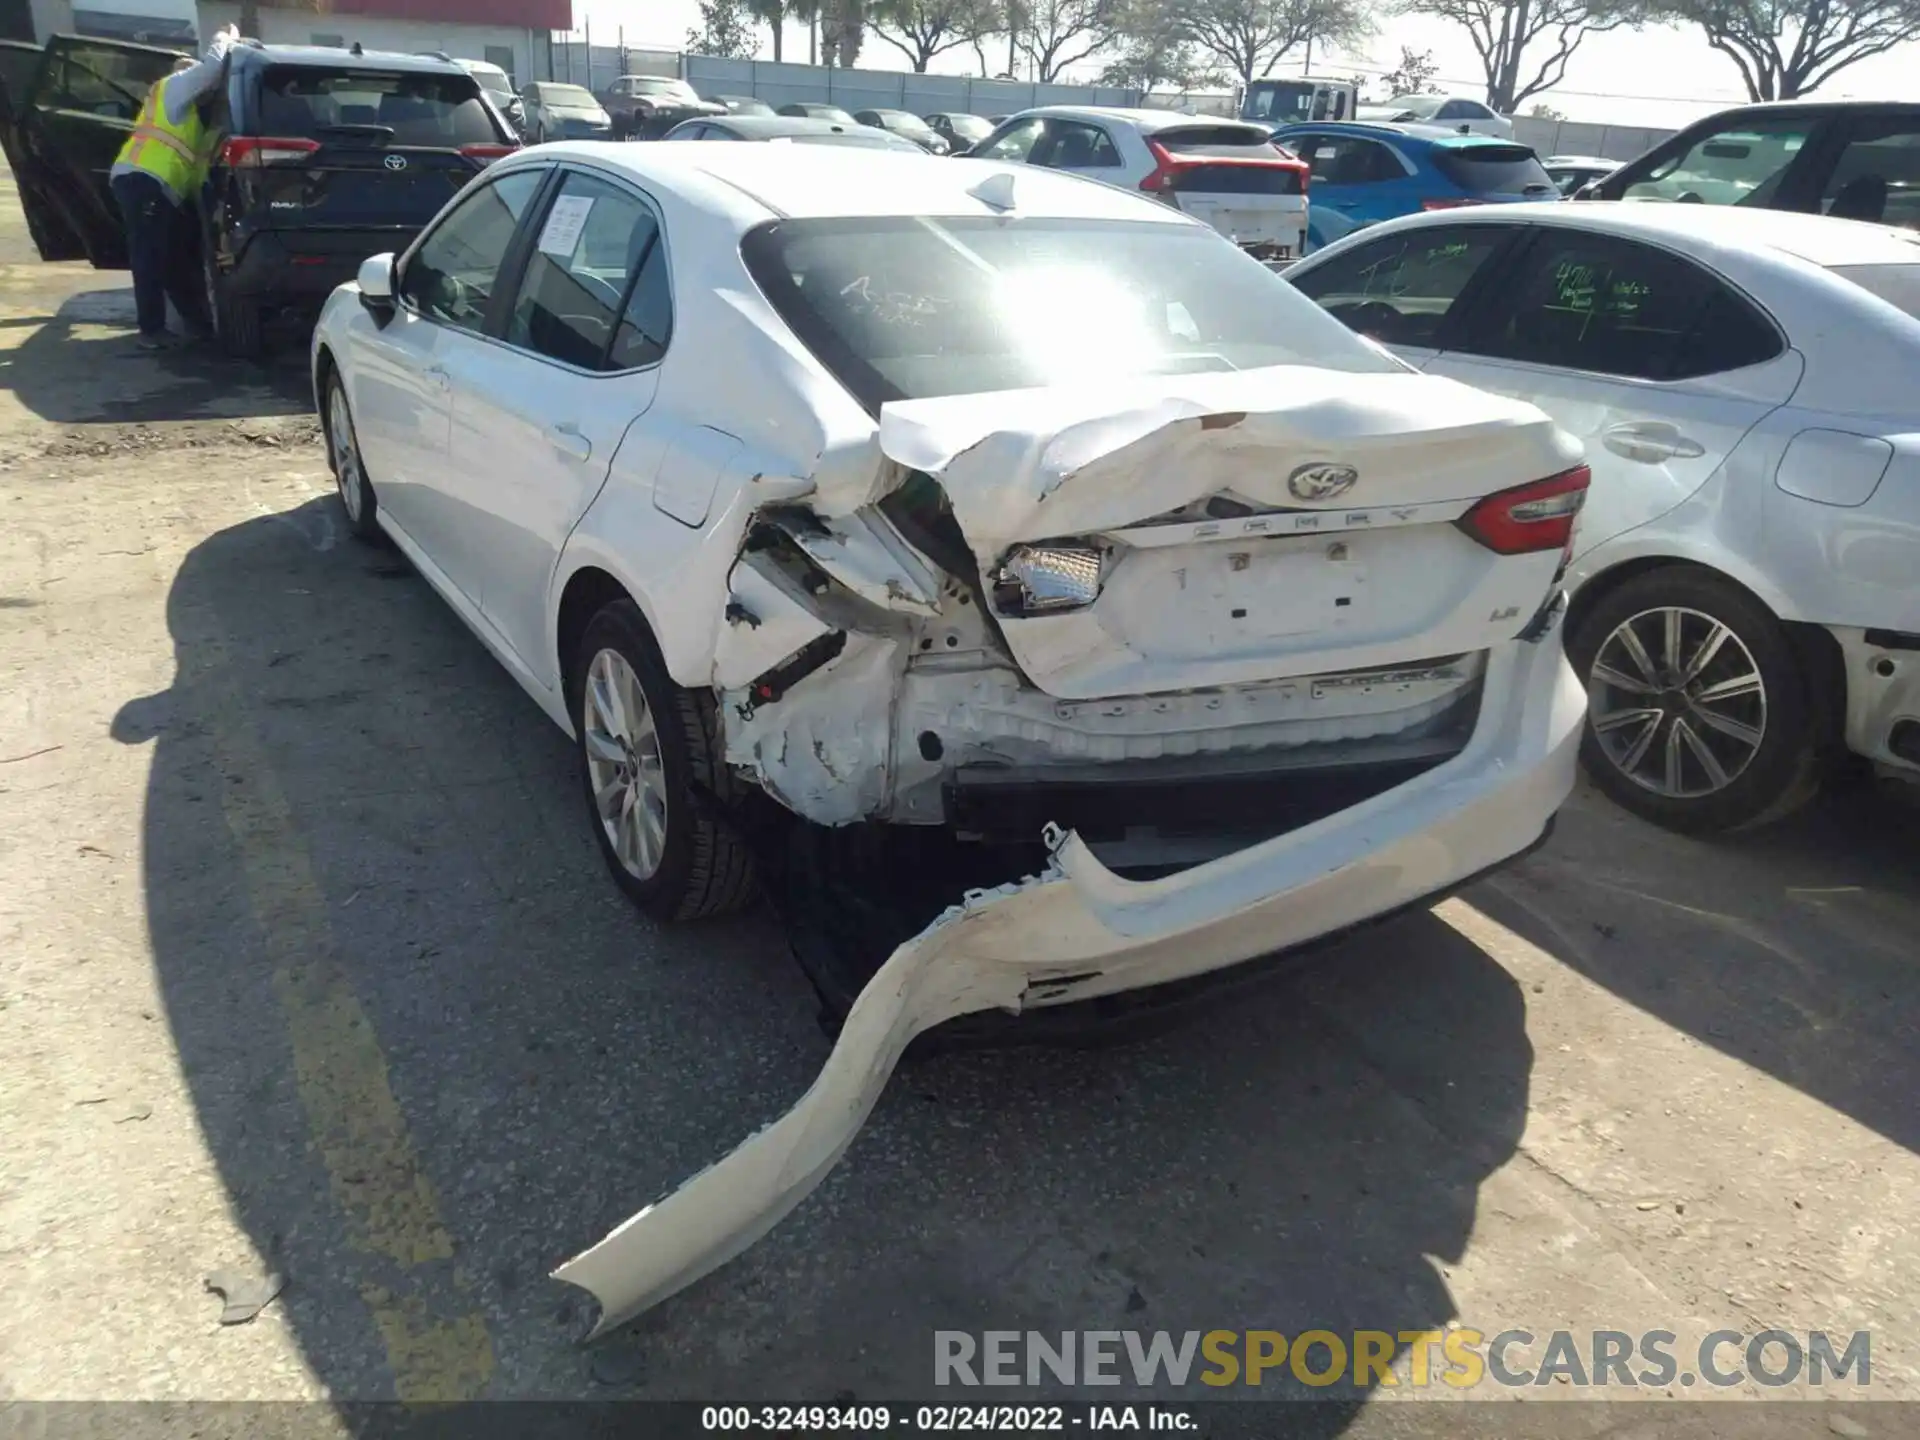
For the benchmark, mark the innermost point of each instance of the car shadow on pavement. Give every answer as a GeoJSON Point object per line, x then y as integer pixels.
{"type": "Point", "coordinates": [1792, 949]}
{"type": "Point", "coordinates": [433, 1053]}
{"type": "Point", "coordinates": [82, 366]}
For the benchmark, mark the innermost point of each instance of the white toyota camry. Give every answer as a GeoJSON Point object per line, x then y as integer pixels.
{"type": "Point", "coordinates": [968, 501]}
{"type": "Point", "coordinates": [1747, 383]}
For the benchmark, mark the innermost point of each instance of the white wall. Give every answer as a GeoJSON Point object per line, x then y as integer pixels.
{"type": "Point", "coordinates": [294, 27]}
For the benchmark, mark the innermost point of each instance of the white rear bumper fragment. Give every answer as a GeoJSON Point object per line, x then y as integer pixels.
{"type": "Point", "coordinates": [1079, 931]}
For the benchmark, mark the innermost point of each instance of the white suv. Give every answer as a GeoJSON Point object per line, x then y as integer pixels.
{"type": "Point", "coordinates": [1224, 172]}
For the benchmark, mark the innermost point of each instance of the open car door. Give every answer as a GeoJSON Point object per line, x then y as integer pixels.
{"type": "Point", "coordinates": [65, 120]}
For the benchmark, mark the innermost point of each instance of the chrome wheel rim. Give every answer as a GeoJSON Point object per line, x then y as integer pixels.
{"type": "Point", "coordinates": [1677, 702]}
{"type": "Point", "coordinates": [624, 766]}
{"type": "Point", "coordinates": [346, 459]}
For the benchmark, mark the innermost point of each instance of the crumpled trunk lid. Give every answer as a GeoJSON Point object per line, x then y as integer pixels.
{"type": "Point", "coordinates": [1256, 524]}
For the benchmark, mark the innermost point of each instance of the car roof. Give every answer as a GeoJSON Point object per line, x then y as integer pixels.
{"type": "Point", "coordinates": [757, 182]}
{"type": "Point", "coordinates": [1145, 120]}
{"type": "Point", "coordinates": [1380, 130]}
{"type": "Point", "coordinates": [1583, 160]}
{"type": "Point", "coordinates": [335, 58]}
{"type": "Point", "coordinates": [1816, 239]}
{"type": "Point", "coordinates": [766, 127]}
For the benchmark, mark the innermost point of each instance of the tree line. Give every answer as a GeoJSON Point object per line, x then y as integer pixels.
{"type": "Point", "coordinates": [1781, 48]}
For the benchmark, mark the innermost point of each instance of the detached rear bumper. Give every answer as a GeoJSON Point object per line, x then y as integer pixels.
{"type": "Point", "coordinates": [1080, 931]}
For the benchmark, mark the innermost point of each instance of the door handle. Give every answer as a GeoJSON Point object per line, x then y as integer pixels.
{"type": "Point", "coordinates": [1650, 442]}
{"type": "Point", "coordinates": [437, 376]}
{"type": "Point", "coordinates": [567, 439]}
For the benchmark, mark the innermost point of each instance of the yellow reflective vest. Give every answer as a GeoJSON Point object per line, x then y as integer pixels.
{"type": "Point", "coordinates": [173, 154]}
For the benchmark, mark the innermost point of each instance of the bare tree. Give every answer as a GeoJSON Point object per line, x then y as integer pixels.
{"type": "Point", "coordinates": [1786, 48]}
{"type": "Point", "coordinates": [1412, 75]}
{"type": "Point", "coordinates": [1154, 49]}
{"type": "Point", "coordinates": [1060, 33]}
{"type": "Point", "coordinates": [923, 30]}
{"type": "Point", "coordinates": [1249, 37]}
{"type": "Point", "coordinates": [1524, 45]}
{"type": "Point", "coordinates": [725, 30]}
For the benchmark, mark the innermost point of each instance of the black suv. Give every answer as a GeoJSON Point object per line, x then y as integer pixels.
{"type": "Point", "coordinates": [1856, 160]}
{"type": "Point", "coordinates": [323, 157]}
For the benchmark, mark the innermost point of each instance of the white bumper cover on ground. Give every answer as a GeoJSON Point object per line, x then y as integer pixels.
{"type": "Point", "coordinates": [1079, 931]}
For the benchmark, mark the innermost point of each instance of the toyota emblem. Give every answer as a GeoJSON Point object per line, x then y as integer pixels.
{"type": "Point", "coordinates": [396, 162]}
{"type": "Point", "coordinates": [1321, 482]}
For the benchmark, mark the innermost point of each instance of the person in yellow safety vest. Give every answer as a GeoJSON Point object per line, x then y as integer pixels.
{"type": "Point", "coordinates": [159, 171]}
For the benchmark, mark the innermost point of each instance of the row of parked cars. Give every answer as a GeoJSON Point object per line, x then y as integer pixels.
{"type": "Point", "coordinates": [1672, 338]}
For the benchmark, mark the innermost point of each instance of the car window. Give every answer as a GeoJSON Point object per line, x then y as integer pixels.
{"type": "Point", "coordinates": [430, 110]}
{"type": "Point", "coordinates": [1401, 290]}
{"type": "Point", "coordinates": [910, 307]}
{"type": "Point", "coordinates": [1452, 110]}
{"type": "Point", "coordinates": [450, 276]}
{"type": "Point", "coordinates": [1016, 142]}
{"type": "Point", "coordinates": [1742, 164]}
{"type": "Point", "coordinates": [592, 240]}
{"type": "Point", "coordinates": [1074, 145]}
{"type": "Point", "coordinates": [1347, 160]}
{"type": "Point", "coordinates": [1877, 175]}
{"type": "Point", "coordinates": [1492, 169]}
{"type": "Point", "coordinates": [1472, 110]}
{"type": "Point", "coordinates": [1616, 307]}
{"type": "Point", "coordinates": [646, 322]}
{"type": "Point", "coordinates": [96, 79]}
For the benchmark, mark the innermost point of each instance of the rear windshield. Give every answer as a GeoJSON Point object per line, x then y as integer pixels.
{"type": "Point", "coordinates": [494, 81]}
{"type": "Point", "coordinates": [914, 307]}
{"type": "Point", "coordinates": [315, 103]}
{"type": "Point", "coordinates": [566, 95]}
{"type": "Point", "coordinates": [1214, 140]}
{"type": "Point", "coordinates": [969, 127]}
{"type": "Point", "coordinates": [1898, 285]}
{"type": "Point", "coordinates": [1493, 169]}
{"type": "Point", "coordinates": [678, 89]}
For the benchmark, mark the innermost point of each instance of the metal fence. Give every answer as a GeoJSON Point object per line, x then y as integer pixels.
{"type": "Point", "coordinates": [599, 66]}
{"type": "Point", "coordinates": [1570, 137]}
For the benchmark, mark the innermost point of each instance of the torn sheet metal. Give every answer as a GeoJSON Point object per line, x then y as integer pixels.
{"type": "Point", "coordinates": [865, 554]}
{"type": "Point", "coordinates": [1101, 934]}
{"type": "Point", "coordinates": [766, 621]}
{"type": "Point", "coordinates": [824, 748]}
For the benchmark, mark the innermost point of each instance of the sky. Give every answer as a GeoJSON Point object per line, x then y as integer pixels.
{"type": "Point", "coordinates": [1654, 77]}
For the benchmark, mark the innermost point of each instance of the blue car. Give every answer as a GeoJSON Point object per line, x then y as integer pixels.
{"type": "Point", "coordinates": [1363, 174]}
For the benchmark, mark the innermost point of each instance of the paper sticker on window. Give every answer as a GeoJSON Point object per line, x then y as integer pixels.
{"type": "Point", "coordinates": [565, 221]}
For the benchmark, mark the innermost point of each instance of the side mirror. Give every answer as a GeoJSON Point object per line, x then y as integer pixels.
{"type": "Point", "coordinates": [376, 285]}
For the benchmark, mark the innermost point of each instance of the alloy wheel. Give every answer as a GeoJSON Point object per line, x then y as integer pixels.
{"type": "Point", "coordinates": [346, 458]}
{"type": "Point", "coordinates": [1677, 702]}
{"type": "Point", "coordinates": [624, 764]}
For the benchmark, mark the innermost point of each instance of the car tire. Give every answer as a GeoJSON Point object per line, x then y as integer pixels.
{"type": "Point", "coordinates": [349, 468]}
{"type": "Point", "coordinates": [1700, 715]}
{"type": "Point", "coordinates": [651, 770]}
{"type": "Point", "coordinates": [236, 318]}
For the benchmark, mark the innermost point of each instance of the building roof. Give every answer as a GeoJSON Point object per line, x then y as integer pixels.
{"type": "Point", "coordinates": [519, 14]}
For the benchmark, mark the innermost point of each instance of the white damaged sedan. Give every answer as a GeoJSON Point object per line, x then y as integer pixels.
{"type": "Point", "coordinates": [967, 511]}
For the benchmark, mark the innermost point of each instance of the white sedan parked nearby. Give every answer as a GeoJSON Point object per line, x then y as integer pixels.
{"type": "Point", "coordinates": [970, 501]}
{"type": "Point", "coordinates": [1747, 383]}
{"type": "Point", "coordinates": [1225, 172]}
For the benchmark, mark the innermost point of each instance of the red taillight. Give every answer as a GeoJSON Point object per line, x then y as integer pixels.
{"type": "Point", "coordinates": [1452, 202]}
{"type": "Point", "coordinates": [250, 152]}
{"type": "Point", "coordinates": [489, 153]}
{"type": "Point", "coordinates": [1529, 518]}
{"type": "Point", "coordinates": [1160, 182]}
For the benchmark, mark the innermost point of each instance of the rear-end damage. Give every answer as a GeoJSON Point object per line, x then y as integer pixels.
{"type": "Point", "coordinates": [1305, 677]}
